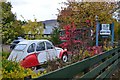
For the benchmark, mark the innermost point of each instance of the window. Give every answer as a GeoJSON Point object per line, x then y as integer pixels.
{"type": "Point", "coordinates": [20, 47]}
{"type": "Point", "coordinates": [31, 48]}
{"type": "Point", "coordinates": [49, 46]}
{"type": "Point", "coordinates": [40, 46]}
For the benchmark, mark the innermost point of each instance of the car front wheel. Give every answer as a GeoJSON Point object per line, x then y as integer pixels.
{"type": "Point", "coordinates": [65, 58]}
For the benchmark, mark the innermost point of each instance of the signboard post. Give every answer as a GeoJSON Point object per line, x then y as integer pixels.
{"type": "Point", "coordinates": [97, 32]}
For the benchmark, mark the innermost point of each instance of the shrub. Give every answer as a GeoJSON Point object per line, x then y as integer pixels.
{"type": "Point", "coordinates": [12, 70]}
{"type": "Point", "coordinates": [107, 48]}
{"type": "Point", "coordinates": [55, 37]}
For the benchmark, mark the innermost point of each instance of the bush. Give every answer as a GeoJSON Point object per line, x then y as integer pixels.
{"type": "Point", "coordinates": [107, 48]}
{"type": "Point", "coordinates": [55, 37]}
{"type": "Point", "coordinates": [12, 70]}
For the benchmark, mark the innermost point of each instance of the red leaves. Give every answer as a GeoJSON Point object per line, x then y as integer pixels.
{"type": "Point", "coordinates": [95, 50]}
{"type": "Point", "coordinates": [69, 36]}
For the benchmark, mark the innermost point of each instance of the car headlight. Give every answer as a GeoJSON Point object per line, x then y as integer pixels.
{"type": "Point", "coordinates": [65, 49]}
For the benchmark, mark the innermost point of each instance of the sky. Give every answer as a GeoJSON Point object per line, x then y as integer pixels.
{"type": "Point", "coordinates": [36, 9]}
{"type": "Point", "coordinates": [39, 9]}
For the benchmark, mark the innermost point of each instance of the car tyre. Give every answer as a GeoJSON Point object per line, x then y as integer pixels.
{"type": "Point", "coordinates": [65, 58]}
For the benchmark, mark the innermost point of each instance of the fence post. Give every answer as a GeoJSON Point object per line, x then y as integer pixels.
{"type": "Point", "coordinates": [112, 39]}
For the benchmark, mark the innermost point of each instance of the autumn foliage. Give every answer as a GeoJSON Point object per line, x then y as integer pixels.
{"type": "Point", "coordinates": [79, 12]}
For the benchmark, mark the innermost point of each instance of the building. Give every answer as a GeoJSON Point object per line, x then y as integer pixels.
{"type": "Point", "coordinates": [49, 25]}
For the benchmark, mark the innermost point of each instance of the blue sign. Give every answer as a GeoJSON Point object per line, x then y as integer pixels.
{"type": "Point", "coordinates": [105, 30]}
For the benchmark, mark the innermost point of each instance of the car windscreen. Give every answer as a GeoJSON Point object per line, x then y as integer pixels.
{"type": "Point", "coordinates": [20, 47]}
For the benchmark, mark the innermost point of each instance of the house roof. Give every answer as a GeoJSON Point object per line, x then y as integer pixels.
{"type": "Point", "coordinates": [49, 21]}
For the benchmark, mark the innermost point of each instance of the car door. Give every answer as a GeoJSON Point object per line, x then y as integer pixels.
{"type": "Point", "coordinates": [41, 52]}
{"type": "Point", "coordinates": [51, 52]}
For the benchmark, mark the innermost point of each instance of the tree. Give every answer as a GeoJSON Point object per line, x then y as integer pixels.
{"type": "Point", "coordinates": [33, 28]}
{"type": "Point", "coordinates": [116, 16]}
{"type": "Point", "coordinates": [81, 12]}
{"type": "Point", "coordinates": [11, 27]}
{"type": "Point", "coordinates": [55, 36]}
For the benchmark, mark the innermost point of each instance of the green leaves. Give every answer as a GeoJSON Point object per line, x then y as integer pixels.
{"type": "Point", "coordinates": [33, 27]}
{"type": "Point", "coordinates": [11, 30]}
{"type": "Point", "coordinates": [13, 70]}
{"type": "Point", "coordinates": [55, 37]}
{"type": "Point", "coordinates": [11, 27]}
{"type": "Point", "coordinates": [79, 12]}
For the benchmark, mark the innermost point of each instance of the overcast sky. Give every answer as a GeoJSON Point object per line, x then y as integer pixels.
{"type": "Point", "coordinates": [40, 9]}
